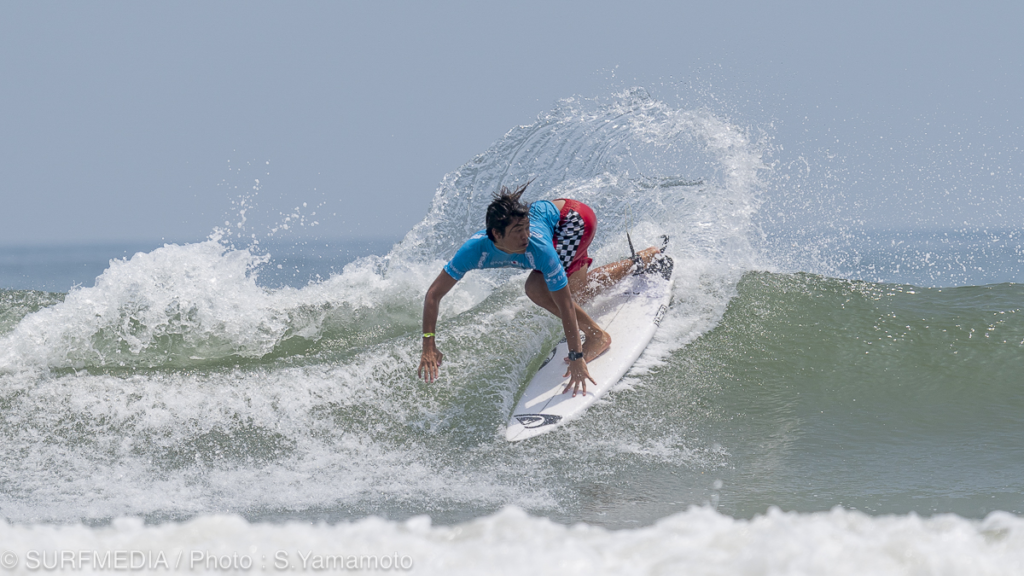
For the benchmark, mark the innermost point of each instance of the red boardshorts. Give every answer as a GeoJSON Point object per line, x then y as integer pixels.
{"type": "Point", "coordinates": [576, 226]}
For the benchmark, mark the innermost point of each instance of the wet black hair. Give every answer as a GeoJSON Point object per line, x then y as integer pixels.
{"type": "Point", "coordinates": [506, 208]}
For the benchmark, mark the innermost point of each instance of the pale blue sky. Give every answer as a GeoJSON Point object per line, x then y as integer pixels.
{"type": "Point", "coordinates": [120, 119]}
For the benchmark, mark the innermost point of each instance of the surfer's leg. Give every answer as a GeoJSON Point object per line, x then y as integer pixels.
{"type": "Point", "coordinates": [600, 278]}
{"type": "Point", "coordinates": [579, 285]}
{"type": "Point", "coordinates": [597, 340]}
{"type": "Point", "coordinates": [537, 291]}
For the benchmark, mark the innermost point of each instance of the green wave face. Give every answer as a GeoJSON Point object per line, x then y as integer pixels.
{"type": "Point", "coordinates": [888, 398]}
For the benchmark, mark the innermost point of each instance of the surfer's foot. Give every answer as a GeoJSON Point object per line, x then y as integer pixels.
{"type": "Point", "coordinates": [648, 255]}
{"type": "Point", "coordinates": [644, 259]}
{"type": "Point", "coordinates": [596, 345]}
{"type": "Point", "coordinates": [654, 261]}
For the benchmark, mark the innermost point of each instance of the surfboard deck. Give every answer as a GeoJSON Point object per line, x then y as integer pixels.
{"type": "Point", "coordinates": [630, 312]}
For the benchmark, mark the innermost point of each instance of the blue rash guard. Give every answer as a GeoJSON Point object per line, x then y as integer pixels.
{"type": "Point", "coordinates": [479, 251]}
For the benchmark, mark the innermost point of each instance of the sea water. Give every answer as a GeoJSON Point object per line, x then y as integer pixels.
{"type": "Point", "coordinates": [220, 406]}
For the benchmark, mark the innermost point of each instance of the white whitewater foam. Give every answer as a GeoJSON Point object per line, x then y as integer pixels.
{"type": "Point", "coordinates": [698, 541]}
{"type": "Point", "coordinates": [179, 306]}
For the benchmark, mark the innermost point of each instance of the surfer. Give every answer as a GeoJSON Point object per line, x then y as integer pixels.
{"type": "Point", "coordinates": [551, 238]}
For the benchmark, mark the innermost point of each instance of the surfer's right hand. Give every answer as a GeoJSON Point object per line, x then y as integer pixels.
{"type": "Point", "coordinates": [430, 363]}
{"type": "Point", "coordinates": [578, 376]}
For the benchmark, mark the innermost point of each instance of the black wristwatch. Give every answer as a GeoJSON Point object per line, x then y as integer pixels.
{"type": "Point", "coordinates": [575, 355]}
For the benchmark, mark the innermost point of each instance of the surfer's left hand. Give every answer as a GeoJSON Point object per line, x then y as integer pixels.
{"type": "Point", "coordinates": [579, 376]}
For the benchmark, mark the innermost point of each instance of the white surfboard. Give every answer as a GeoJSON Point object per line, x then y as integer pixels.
{"type": "Point", "coordinates": [630, 312]}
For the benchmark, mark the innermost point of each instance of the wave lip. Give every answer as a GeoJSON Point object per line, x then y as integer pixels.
{"type": "Point", "coordinates": [174, 306]}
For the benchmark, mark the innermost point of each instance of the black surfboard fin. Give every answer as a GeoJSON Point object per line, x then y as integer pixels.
{"type": "Point", "coordinates": [632, 253]}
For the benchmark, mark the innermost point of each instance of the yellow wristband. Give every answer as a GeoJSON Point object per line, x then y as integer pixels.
{"type": "Point", "coordinates": [428, 334]}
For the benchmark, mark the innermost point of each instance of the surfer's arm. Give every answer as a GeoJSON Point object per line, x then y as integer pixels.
{"type": "Point", "coordinates": [577, 368]}
{"type": "Point", "coordinates": [430, 360]}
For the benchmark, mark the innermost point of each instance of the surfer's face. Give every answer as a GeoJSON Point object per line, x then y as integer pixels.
{"type": "Point", "coordinates": [516, 237]}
